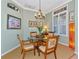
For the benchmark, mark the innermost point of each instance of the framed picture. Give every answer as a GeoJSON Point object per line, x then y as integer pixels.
{"type": "Point", "coordinates": [13, 22]}
{"type": "Point", "coordinates": [32, 24]}
{"type": "Point", "coordinates": [35, 23]}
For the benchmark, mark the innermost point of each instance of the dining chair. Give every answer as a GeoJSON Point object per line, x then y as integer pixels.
{"type": "Point", "coordinates": [25, 46]}
{"type": "Point", "coordinates": [33, 34]}
{"type": "Point", "coordinates": [50, 46]}
{"type": "Point", "coordinates": [34, 37]}
{"type": "Point", "coordinates": [50, 34]}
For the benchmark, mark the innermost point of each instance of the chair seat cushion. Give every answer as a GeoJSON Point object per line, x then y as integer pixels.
{"type": "Point", "coordinates": [43, 48]}
{"type": "Point", "coordinates": [28, 47]}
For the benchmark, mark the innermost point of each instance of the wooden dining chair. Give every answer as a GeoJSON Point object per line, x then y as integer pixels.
{"type": "Point", "coordinates": [50, 46]}
{"type": "Point", "coordinates": [50, 34]}
{"type": "Point", "coordinates": [25, 46]}
{"type": "Point", "coordinates": [33, 34]}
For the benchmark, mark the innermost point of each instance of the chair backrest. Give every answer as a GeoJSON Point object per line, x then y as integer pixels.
{"type": "Point", "coordinates": [51, 34]}
{"type": "Point", "coordinates": [20, 40]}
{"type": "Point", "coordinates": [33, 34]}
{"type": "Point", "coordinates": [52, 43]}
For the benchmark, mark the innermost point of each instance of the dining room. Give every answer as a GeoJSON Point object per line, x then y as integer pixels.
{"type": "Point", "coordinates": [39, 29]}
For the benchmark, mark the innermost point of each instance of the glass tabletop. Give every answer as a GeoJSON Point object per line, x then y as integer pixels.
{"type": "Point", "coordinates": [35, 39]}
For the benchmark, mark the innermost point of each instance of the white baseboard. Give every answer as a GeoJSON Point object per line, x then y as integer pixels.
{"type": "Point", "coordinates": [63, 43]}
{"type": "Point", "coordinates": [10, 50]}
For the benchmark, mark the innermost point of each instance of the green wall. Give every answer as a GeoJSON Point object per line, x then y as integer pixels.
{"type": "Point", "coordinates": [8, 36]}
{"type": "Point", "coordinates": [27, 15]}
{"type": "Point", "coordinates": [48, 20]}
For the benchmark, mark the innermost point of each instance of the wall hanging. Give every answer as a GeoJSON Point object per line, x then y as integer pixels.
{"type": "Point", "coordinates": [13, 22]}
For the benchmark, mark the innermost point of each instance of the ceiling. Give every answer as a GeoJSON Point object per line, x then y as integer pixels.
{"type": "Point", "coordinates": [46, 5]}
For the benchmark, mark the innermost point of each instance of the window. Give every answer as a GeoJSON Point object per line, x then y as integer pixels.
{"type": "Point", "coordinates": [60, 22]}
{"type": "Point", "coordinates": [56, 24]}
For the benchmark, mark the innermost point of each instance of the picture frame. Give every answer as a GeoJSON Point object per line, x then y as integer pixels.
{"type": "Point", "coordinates": [13, 22]}
{"type": "Point", "coordinates": [40, 23]}
{"type": "Point", "coordinates": [35, 23]}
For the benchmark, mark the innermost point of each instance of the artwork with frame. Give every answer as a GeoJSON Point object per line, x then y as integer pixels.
{"type": "Point", "coordinates": [40, 23]}
{"type": "Point", "coordinates": [35, 23]}
{"type": "Point", "coordinates": [13, 22]}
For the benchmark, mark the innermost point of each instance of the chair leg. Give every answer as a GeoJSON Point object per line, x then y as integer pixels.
{"type": "Point", "coordinates": [21, 51]}
{"type": "Point", "coordinates": [34, 52]}
{"type": "Point", "coordinates": [55, 54]}
{"type": "Point", "coordinates": [38, 51]}
{"type": "Point", "coordinates": [45, 56]}
{"type": "Point", "coordinates": [23, 55]}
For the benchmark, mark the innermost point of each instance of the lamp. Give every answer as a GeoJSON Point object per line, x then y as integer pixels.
{"type": "Point", "coordinates": [45, 31]}
{"type": "Point", "coordinates": [39, 14]}
{"type": "Point", "coordinates": [45, 28]}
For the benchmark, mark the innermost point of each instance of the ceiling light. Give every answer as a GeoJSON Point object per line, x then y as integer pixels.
{"type": "Point", "coordinates": [39, 14]}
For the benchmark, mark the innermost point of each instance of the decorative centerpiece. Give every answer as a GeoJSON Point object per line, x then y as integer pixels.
{"type": "Point", "coordinates": [40, 28]}
{"type": "Point", "coordinates": [43, 31]}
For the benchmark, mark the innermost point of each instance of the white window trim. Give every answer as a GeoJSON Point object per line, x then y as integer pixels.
{"type": "Point", "coordinates": [67, 25]}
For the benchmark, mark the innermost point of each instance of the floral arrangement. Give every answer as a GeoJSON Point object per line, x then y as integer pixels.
{"type": "Point", "coordinates": [40, 29]}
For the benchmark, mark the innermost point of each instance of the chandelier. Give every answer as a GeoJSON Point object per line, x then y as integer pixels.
{"type": "Point", "coordinates": [39, 14]}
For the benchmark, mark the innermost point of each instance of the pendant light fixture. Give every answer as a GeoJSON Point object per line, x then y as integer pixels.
{"type": "Point", "coordinates": [39, 14]}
